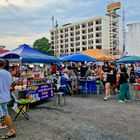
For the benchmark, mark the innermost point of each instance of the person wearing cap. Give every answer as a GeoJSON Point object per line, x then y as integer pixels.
{"type": "Point", "coordinates": [5, 83]}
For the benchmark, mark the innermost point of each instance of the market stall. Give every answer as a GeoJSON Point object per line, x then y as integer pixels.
{"type": "Point", "coordinates": [78, 58]}
{"type": "Point", "coordinates": [85, 84]}
{"type": "Point", "coordinates": [31, 81]}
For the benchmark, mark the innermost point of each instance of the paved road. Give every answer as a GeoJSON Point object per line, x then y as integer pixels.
{"type": "Point", "coordinates": [84, 118]}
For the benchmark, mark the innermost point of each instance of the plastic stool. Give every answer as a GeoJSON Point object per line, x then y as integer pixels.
{"type": "Point", "coordinates": [59, 96]}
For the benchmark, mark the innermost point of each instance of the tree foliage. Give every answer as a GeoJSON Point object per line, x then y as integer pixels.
{"type": "Point", "coordinates": [43, 45]}
{"type": "Point", "coordinates": [2, 47]}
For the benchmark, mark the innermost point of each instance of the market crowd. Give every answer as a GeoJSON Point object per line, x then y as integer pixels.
{"type": "Point", "coordinates": [114, 78]}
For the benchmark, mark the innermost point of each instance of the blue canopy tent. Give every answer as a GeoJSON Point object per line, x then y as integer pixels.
{"type": "Point", "coordinates": [28, 54]}
{"type": "Point", "coordinates": [129, 59]}
{"type": "Point", "coordinates": [77, 58]}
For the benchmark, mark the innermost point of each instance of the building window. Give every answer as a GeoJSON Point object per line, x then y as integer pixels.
{"type": "Point", "coordinates": [61, 51]}
{"type": "Point", "coordinates": [66, 30]}
{"type": "Point", "coordinates": [72, 50]}
{"type": "Point", "coordinates": [61, 46]}
{"type": "Point", "coordinates": [90, 24]}
{"type": "Point", "coordinates": [77, 49]}
{"type": "Point", "coordinates": [77, 33]}
{"type": "Point", "coordinates": [66, 35]}
{"type": "Point", "coordinates": [90, 42]}
{"type": "Point", "coordinates": [77, 27]}
{"type": "Point", "coordinates": [71, 34]}
{"type": "Point", "coordinates": [84, 31]}
{"type": "Point", "coordinates": [71, 39]}
{"type": "Point", "coordinates": [61, 36]}
{"type": "Point", "coordinates": [66, 50]}
{"type": "Point", "coordinates": [77, 38]}
{"type": "Point", "coordinates": [77, 43]}
{"type": "Point", "coordinates": [84, 43]}
{"type": "Point", "coordinates": [98, 34]}
{"type": "Point", "coordinates": [52, 47]}
{"type": "Point", "coordinates": [61, 30]}
{"type": "Point", "coordinates": [66, 40]}
{"type": "Point", "coordinates": [90, 47]}
{"type": "Point", "coordinates": [90, 30]}
{"type": "Point", "coordinates": [72, 44]}
{"type": "Point", "coordinates": [98, 22]}
{"type": "Point", "coordinates": [52, 33]}
{"type": "Point", "coordinates": [84, 37]}
{"type": "Point", "coordinates": [98, 28]}
{"type": "Point", "coordinates": [83, 49]}
{"type": "Point", "coordinates": [98, 47]}
{"type": "Point", "coordinates": [72, 28]}
{"type": "Point", "coordinates": [66, 45]}
{"type": "Point", "coordinates": [83, 25]}
{"type": "Point", "coordinates": [61, 41]}
{"type": "Point", "coordinates": [98, 41]}
{"type": "Point", "coordinates": [56, 37]}
{"type": "Point", "coordinates": [52, 42]}
{"type": "Point", "coordinates": [90, 36]}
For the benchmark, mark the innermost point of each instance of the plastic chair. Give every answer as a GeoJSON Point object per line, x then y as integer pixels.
{"type": "Point", "coordinates": [20, 105]}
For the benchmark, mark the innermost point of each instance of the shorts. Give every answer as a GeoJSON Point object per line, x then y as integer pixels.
{"type": "Point", "coordinates": [3, 109]}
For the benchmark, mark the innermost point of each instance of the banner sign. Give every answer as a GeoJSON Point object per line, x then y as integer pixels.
{"type": "Point", "coordinates": [114, 6]}
{"type": "Point", "coordinates": [40, 91]}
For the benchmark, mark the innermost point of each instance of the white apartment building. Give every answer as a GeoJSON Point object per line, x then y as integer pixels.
{"type": "Point", "coordinates": [133, 39]}
{"type": "Point", "coordinates": [96, 33]}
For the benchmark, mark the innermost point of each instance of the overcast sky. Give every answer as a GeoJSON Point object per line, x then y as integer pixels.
{"type": "Point", "coordinates": [24, 21]}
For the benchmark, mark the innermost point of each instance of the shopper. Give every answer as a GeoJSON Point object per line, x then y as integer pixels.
{"type": "Point", "coordinates": [73, 79]}
{"type": "Point", "coordinates": [83, 70]}
{"type": "Point", "coordinates": [107, 74]}
{"type": "Point", "coordinates": [5, 83]}
{"type": "Point", "coordinates": [113, 77]}
{"type": "Point", "coordinates": [124, 86]}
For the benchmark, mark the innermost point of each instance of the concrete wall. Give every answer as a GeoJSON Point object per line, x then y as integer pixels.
{"type": "Point", "coordinates": [133, 39]}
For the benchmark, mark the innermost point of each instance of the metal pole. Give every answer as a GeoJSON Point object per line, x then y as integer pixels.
{"type": "Point", "coordinates": [124, 31]}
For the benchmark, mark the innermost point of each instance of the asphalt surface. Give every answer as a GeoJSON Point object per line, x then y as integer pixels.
{"type": "Point", "coordinates": [83, 118]}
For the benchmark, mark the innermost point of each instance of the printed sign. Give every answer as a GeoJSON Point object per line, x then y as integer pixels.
{"type": "Point", "coordinates": [114, 6]}
{"type": "Point", "coordinates": [40, 92]}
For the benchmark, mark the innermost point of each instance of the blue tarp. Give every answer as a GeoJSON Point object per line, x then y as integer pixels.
{"type": "Point", "coordinates": [28, 54]}
{"type": "Point", "coordinates": [77, 58]}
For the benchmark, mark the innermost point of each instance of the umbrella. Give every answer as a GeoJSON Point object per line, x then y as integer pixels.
{"type": "Point", "coordinates": [28, 54]}
{"type": "Point", "coordinates": [129, 59]}
{"type": "Point", "coordinates": [77, 58]}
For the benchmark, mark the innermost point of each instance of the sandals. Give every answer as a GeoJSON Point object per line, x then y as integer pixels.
{"type": "Point", "coordinates": [8, 136]}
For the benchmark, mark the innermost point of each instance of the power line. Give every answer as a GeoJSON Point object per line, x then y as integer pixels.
{"type": "Point", "coordinates": [17, 18]}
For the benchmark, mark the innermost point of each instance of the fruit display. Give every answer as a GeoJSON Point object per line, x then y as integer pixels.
{"type": "Point", "coordinates": [25, 101]}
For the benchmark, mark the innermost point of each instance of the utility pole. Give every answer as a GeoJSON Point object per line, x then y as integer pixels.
{"type": "Point", "coordinates": [56, 38]}
{"type": "Point", "coordinates": [124, 32]}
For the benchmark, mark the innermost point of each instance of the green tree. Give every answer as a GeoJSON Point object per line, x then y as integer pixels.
{"type": "Point", "coordinates": [2, 47]}
{"type": "Point", "coordinates": [43, 45]}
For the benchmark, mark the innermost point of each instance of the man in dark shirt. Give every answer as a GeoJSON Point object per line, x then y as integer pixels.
{"type": "Point", "coordinates": [113, 77]}
{"type": "Point", "coordinates": [83, 70]}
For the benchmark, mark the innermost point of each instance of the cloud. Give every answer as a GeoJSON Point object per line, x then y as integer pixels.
{"type": "Point", "coordinates": [29, 19]}
{"type": "Point", "coordinates": [29, 3]}
{"type": "Point", "coordinates": [15, 41]}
